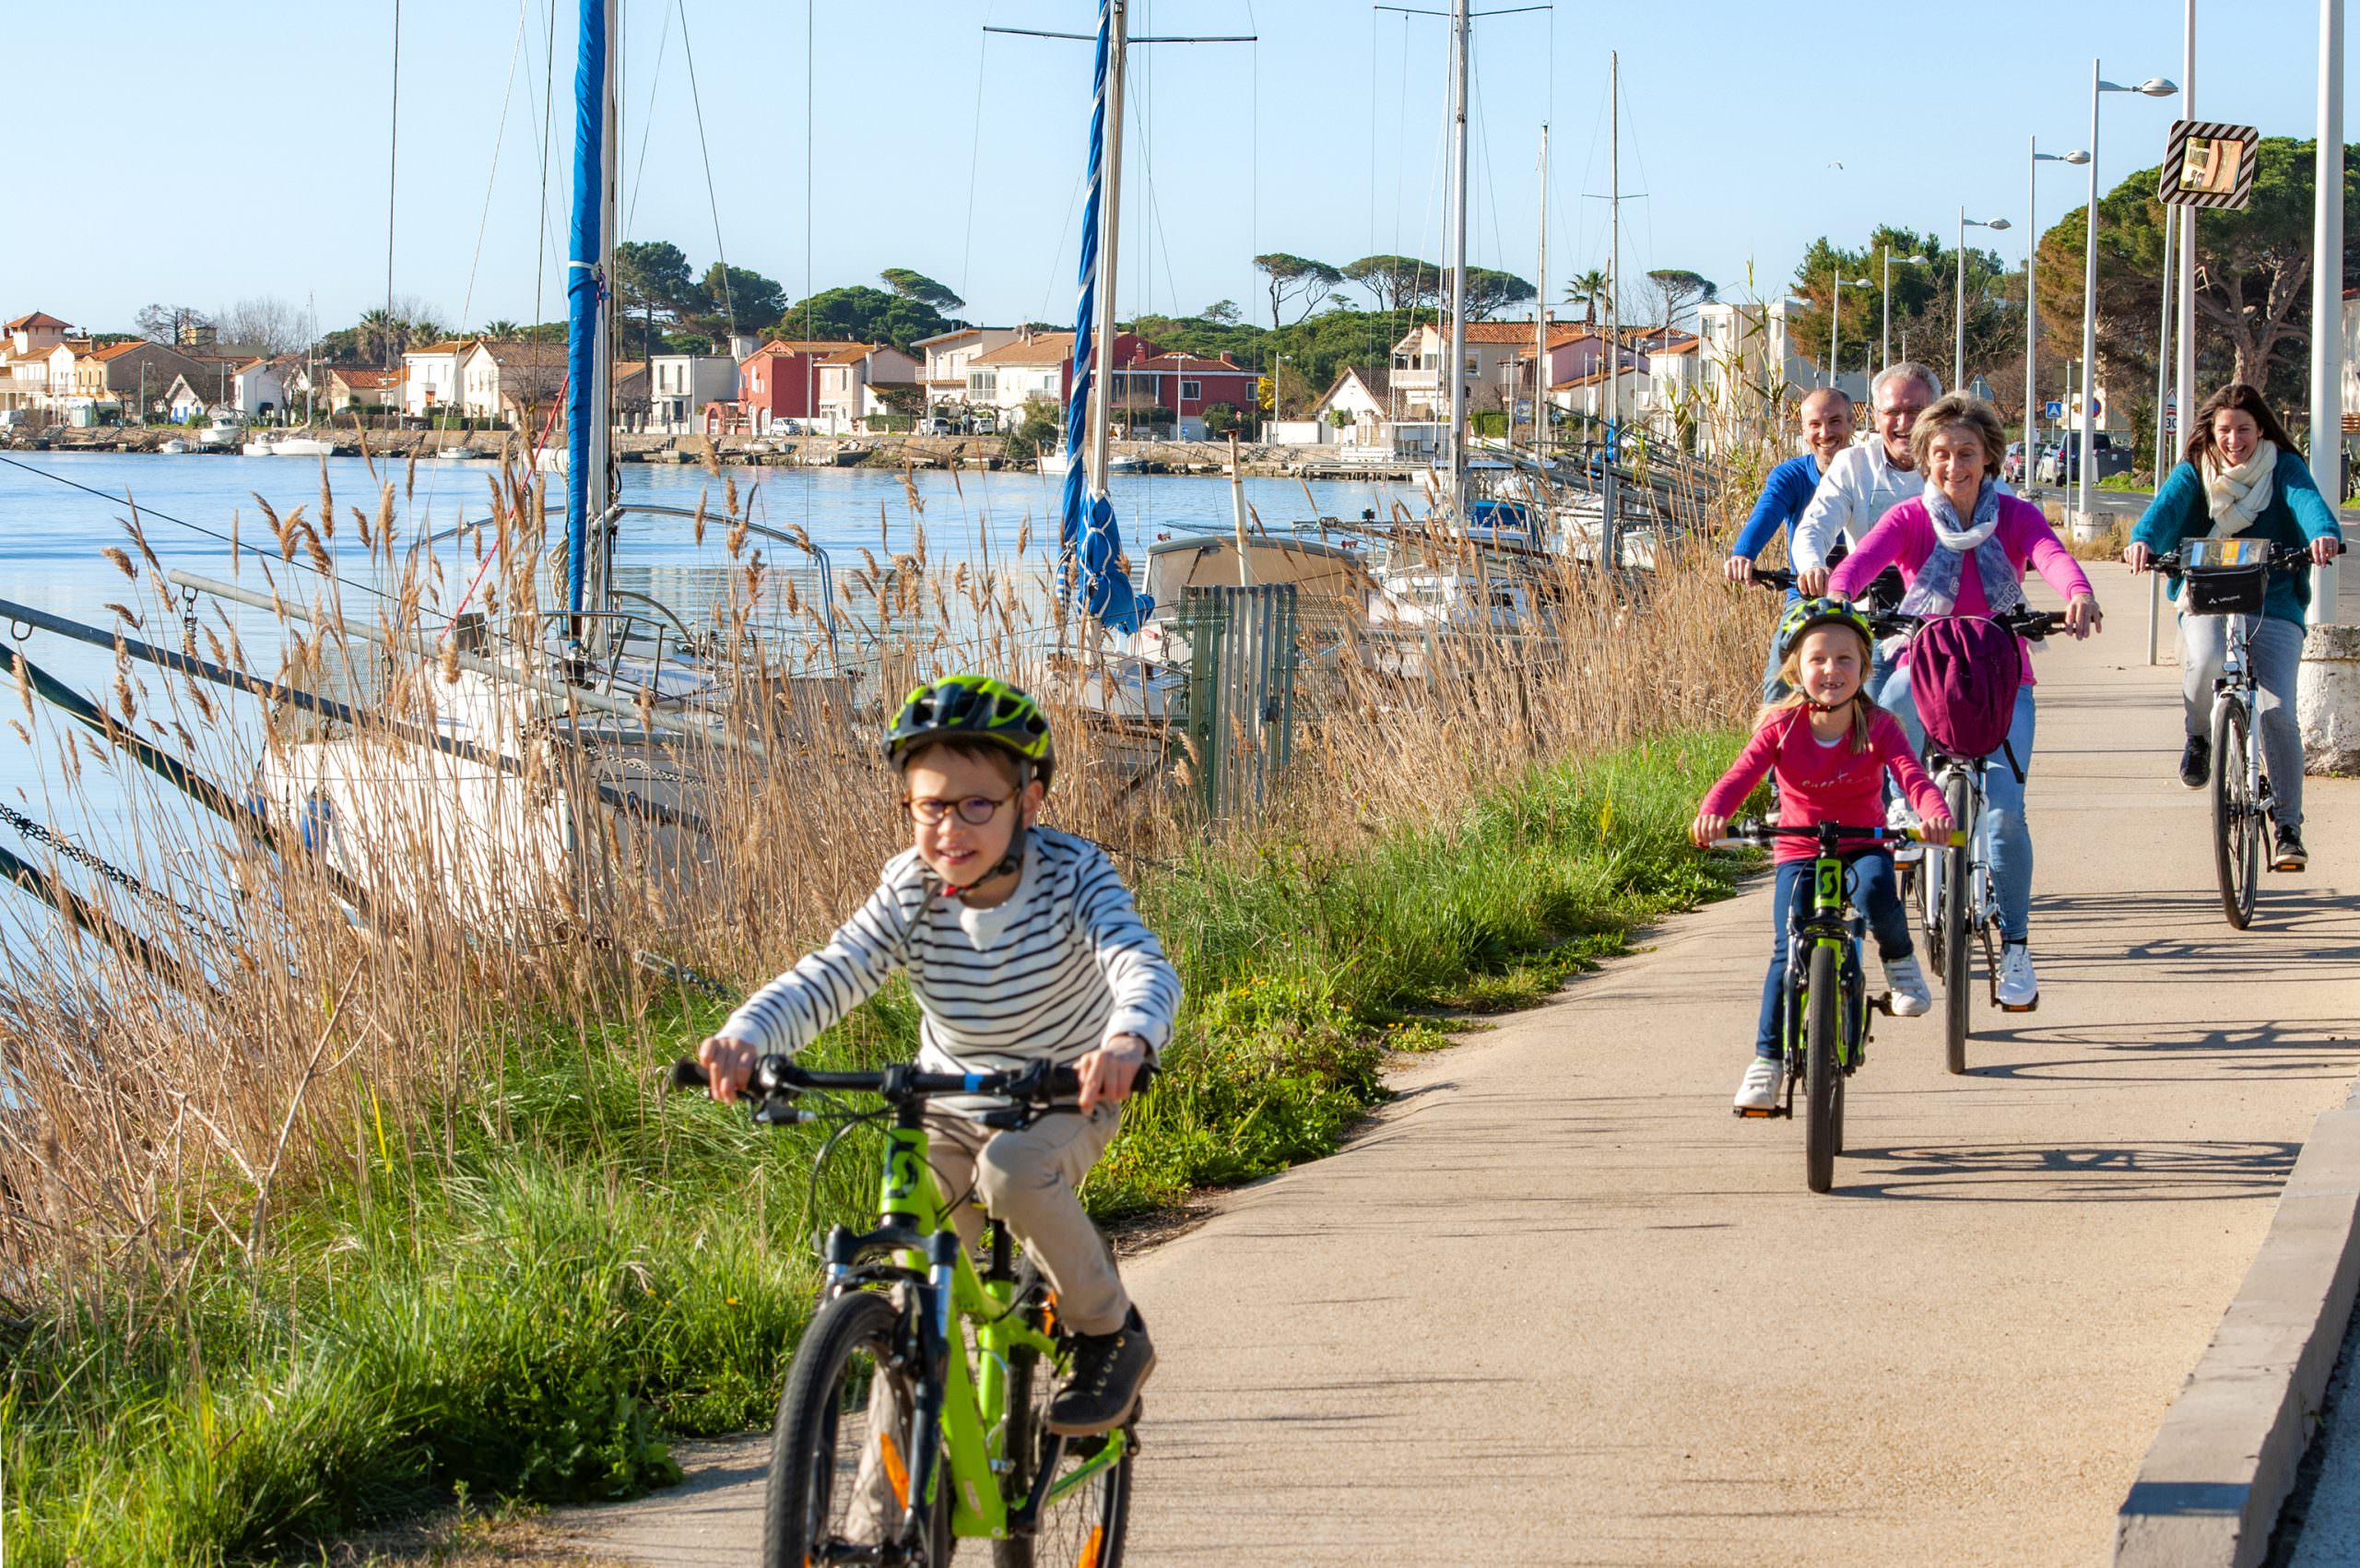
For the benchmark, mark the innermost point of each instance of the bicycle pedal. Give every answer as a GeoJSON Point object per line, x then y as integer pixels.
{"type": "Point", "coordinates": [1882, 1002]}
{"type": "Point", "coordinates": [1755, 1113]}
{"type": "Point", "coordinates": [2031, 1006]}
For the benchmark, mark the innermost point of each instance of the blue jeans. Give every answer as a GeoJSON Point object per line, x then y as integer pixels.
{"type": "Point", "coordinates": [2003, 802]}
{"type": "Point", "coordinates": [1874, 894]}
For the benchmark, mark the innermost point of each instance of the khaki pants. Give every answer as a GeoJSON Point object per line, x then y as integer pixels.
{"type": "Point", "coordinates": [1025, 1178]}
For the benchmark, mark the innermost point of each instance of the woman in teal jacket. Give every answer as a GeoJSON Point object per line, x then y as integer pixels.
{"type": "Point", "coordinates": [2243, 479]}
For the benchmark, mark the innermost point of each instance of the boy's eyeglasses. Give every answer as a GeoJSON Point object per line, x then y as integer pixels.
{"type": "Point", "coordinates": [975, 809]}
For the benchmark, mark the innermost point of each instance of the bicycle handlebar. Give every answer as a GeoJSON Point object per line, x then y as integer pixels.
{"type": "Point", "coordinates": [2023, 620]}
{"type": "Point", "coordinates": [779, 1077]}
{"type": "Point", "coordinates": [1832, 835]}
{"type": "Point", "coordinates": [2281, 558]}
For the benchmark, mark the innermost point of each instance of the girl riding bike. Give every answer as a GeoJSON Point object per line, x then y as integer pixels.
{"type": "Point", "coordinates": [2243, 479]}
{"type": "Point", "coordinates": [1830, 747]}
{"type": "Point", "coordinates": [1963, 548]}
{"type": "Point", "coordinates": [1021, 945]}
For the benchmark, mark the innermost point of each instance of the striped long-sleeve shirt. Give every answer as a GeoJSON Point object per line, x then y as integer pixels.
{"type": "Point", "coordinates": [1060, 968]}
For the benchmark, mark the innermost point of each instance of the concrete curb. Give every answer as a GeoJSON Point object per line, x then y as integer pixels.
{"type": "Point", "coordinates": [2208, 1493]}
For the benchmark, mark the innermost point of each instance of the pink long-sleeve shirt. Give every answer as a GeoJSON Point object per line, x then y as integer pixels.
{"type": "Point", "coordinates": [1818, 783]}
{"type": "Point", "coordinates": [1904, 537]}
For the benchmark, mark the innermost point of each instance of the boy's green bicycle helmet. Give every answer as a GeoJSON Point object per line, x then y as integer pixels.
{"type": "Point", "coordinates": [975, 708]}
{"type": "Point", "coordinates": [1804, 614]}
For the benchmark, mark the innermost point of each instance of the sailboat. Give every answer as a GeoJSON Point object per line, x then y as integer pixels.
{"type": "Point", "coordinates": [548, 749]}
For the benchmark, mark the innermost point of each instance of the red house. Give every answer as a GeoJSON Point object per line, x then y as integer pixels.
{"type": "Point", "coordinates": [1185, 383]}
{"type": "Point", "coordinates": [781, 381]}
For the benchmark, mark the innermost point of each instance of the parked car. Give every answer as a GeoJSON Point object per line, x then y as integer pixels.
{"type": "Point", "coordinates": [2061, 464]}
{"type": "Point", "coordinates": [982, 424]}
{"type": "Point", "coordinates": [936, 427]}
{"type": "Point", "coordinates": [2011, 468]}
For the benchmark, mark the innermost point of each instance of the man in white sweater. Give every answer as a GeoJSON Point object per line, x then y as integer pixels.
{"type": "Point", "coordinates": [1867, 480]}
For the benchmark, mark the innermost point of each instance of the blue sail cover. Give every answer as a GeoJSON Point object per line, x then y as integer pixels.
{"type": "Point", "coordinates": [1091, 543]}
{"type": "Point", "coordinates": [586, 287]}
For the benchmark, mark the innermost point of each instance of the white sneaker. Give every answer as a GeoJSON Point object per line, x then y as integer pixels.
{"type": "Point", "coordinates": [1906, 983]}
{"type": "Point", "coordinates": [1901, 820]}
{"type": "Point", "coordinates": [1759, 1092]}
{"type": "Point", "coordinates": [2019, 988]}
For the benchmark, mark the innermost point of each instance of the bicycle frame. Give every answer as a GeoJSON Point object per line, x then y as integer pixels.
{"type": "Point", "coordinates": [1832, 922]}
{"type": "Point", "coordinates": [961, 1411]}
{"type": "Point", "coordinates": [1983, 899]}
{"type": "Point", "coordinates": [2235, 684]}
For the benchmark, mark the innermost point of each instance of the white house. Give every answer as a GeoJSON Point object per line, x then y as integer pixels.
{"type": "Point", "coordinates": [516, 384]}
{"type": "Point", "coordinates": [947, 357]}
{"type": "Point", "coordinates": [679, 386]}
{"type": "Point", "coordinates": [1029, 367]}
{"type": "Point", "coordinates": [430, 377]}
{"type": "Point", "coordinates": [258, 387]}
{"type": "Point", "coordinates": [1356, 412]}
{"type": "Point", "coordinates": [184, 403]}
{"type": "Point", "coordinates": [854, 378]}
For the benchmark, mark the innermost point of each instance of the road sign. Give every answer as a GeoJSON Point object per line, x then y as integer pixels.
{"type": "Point", "coordinates": [2052, 409]}
{"type": "Point", "coordinates": [2208, 163]}
{"type": "Point", "coordinates": [2171, 424]}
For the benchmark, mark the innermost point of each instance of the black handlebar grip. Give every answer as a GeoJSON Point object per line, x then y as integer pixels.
{"type": "Point", "coordinates": [686, 1074]}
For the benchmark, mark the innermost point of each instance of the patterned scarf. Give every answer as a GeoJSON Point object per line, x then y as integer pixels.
{"type": "Point", "coordinates": [1935, 590]}
{"type": "Point", "coordinates": [2236, 495]}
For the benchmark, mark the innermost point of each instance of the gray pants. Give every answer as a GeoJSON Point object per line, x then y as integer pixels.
{"type": "Point", "coordinates": [2275, 651]}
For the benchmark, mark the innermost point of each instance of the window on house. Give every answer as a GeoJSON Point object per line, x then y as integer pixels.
{"type": "Point", "coordinates": [1470, 364]}
{"type": "Point", "coordinates": [982, 383]}
{"type": "Point", "coordinates": [1192, 391]}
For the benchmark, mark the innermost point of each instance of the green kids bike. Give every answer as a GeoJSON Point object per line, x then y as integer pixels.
{"type": "Point", "coordinates": [1824, 1003]}
{"type": "Point", "coordinates": [913, 1412]}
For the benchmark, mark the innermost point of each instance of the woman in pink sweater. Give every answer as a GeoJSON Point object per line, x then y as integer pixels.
{"type": "Point", "coordinates": [1956, 567]}
{"type": "Point", "coordinates": [1831, 748]}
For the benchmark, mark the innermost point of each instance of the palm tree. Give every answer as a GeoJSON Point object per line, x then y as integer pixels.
{"type": "Point", "coordinates": [501, 331]}
{"type": "Point", "coordinates": [382, 333]}
{"type": "Point", "coordinates": [1589, 287]}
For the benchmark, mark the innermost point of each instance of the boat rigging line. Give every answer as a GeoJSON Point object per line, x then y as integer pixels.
{"type": "Point", "coordinates": [327, 707]}
{"type": "Point", "coordinates": [712, 199]}
{"type": "Point", "coordinates": [126, 944]}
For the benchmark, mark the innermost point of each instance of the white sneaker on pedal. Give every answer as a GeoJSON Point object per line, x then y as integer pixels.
{"type": "Point", "coordinates": [1900, 818]}
{"type": "Point", "coordinates": [1759, 1091]}
{"type": "Point", "coordinates": [2018, 989]}
{"type": "Point", "coordinates": [1905, 981]}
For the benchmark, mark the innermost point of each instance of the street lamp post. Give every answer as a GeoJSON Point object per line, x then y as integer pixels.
{"type": "Point", "coordinates": [2085, 523]}
{"type": "Point", "coordinates": [2031, 304]}
{"type": "Point", "coordinates": [1958, 344]}
{"type": "Point", "coordinates": [1836, 325]}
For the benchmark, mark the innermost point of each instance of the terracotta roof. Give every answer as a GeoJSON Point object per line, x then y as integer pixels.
{"type": "Point", "coordinates": [851, 354]}
{"type": "Point", "coordinates": [956, 332]}
{"type": "Point", "coordinates": [1187, 363]}
{"type": "Point", "coordinates": [448, 346]}
{"type": "Point", "coordinates": [34, 322]}
{"type": "Point", "coordinates": [1042, 348]}
{"type": "Point", "coordinates": [800, 346]}
{"type": "Point", "coordinates": [117, 350]}
{"type": "Point", "coordinates": [357, 380]}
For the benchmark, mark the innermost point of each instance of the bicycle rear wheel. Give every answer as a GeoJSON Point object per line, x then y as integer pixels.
{"type": "Point", "coordinates": [1951, 918]}
{"type": "Point", "coordinates": [843, 1454]}
{"type": "Point", "coordinates": [1085, 1527]}
{"type": "Point", "coordinates": [2236, 815]}
{"type": "Point", "coordinates": [1823, 1080]}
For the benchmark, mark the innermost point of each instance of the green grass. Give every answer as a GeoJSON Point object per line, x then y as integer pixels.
{"type": "Point", "coordinates": [588, 1268]}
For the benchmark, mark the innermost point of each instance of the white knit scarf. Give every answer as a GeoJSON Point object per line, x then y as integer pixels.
{"type": "Point", "coordinates": [2236, 495]}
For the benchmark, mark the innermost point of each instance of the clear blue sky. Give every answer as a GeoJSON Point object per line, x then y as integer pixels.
{"type": "Point", "coordinates": [941, 149]}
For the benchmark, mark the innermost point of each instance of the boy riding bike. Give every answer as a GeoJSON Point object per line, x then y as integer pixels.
{"type": "Point", "coordinates": [1831, 747]}
{"type": "Point", "coordinates": [1021, 945]}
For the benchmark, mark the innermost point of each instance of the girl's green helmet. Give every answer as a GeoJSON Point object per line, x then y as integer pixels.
{"type": "Point", "coordinates": [1804, 614]}
{"type": "Point", "coordinates": [973, 708]}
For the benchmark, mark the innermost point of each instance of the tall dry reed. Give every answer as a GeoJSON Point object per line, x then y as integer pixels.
{"type": "Point", "coordinates": [213, 1045]}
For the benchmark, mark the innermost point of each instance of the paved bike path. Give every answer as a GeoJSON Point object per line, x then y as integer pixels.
{"type": "Point", "coordinates": [1560, 1306]}
{"type": "Point", "coordinates": [1557, 1305]}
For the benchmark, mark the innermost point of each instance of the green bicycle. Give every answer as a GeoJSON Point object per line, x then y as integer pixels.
{"type": "Point", "coordinates": [913, 1412]}
{"type": "Point", "coordinates": [1823, 1006]}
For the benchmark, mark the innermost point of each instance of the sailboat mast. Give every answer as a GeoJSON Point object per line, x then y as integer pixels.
{"type": "Point", "coordinates": [1456, 364]}
{"type": "Point", "coordinates": [1611, 532]}
{"type": "Point", "coordinates": [1541, 312]}
{"type": "Point", "coordinates": [1110, 220]}
{"type": "Point", "coordinates": [589, 334]}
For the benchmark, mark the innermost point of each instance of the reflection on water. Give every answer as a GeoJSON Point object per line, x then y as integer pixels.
{"type": "Point", "coordinates": [52, 537]}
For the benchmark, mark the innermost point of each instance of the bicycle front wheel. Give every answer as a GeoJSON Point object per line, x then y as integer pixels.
{"type": "Point", "coordinates": [1084, 1528]}
{"type": "Point", "coordinates": [843, 1455]}
{"type": "Point", "coordinates": [2236, 815]}
{"type": "Point", "coordinates": [1822, 1082]}
{"type": "Point", "coordinates": [1952, 917]}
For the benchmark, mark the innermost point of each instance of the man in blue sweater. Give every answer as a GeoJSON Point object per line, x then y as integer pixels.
{"type": "Point", "coordinates": [1827, 431]}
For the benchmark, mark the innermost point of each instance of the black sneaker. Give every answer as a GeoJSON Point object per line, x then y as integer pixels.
{"type": "Point", "coordinates": [2290, 855]}
{"type": "Point", "coordinates": [1108, 1370]}
{"type": "Point", "coordinates": [2196, 762]}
